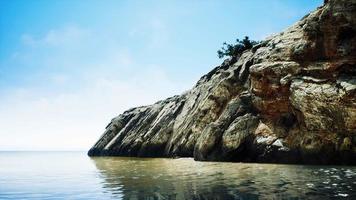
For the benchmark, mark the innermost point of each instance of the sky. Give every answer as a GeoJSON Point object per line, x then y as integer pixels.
{"type": "Point", "coordinates": [67, 67]}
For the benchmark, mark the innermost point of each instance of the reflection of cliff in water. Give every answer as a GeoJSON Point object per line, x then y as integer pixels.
{"type": "Point", "coordinates": [160, 179]}
{"type": "Point", "coordinates": [135, 178]}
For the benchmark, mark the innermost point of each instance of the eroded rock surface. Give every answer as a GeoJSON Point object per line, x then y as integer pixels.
{"type": "Point", "coordinates": [290, 99]}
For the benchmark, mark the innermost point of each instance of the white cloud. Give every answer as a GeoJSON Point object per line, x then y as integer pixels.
{"type": "Point", "coordinates": [59, 78]}
{"type": "Point", "coordinates": [154, 30]}
{"type": "Point", "coordinates": [68, 109]}
{"type": "Point", "coordinates": [74, 120]}
{"type": "Point", "coordinates": [159, 32]}
{"type": "Point", "coordinates": [27, 39]}
{"type": "Point", "coordinates": [66, 35]}
{"type": "Point", "coordinates": [81, 80]}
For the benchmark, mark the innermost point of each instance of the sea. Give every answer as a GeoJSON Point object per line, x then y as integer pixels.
{"type": "Point", "coordinates": [74, 175]}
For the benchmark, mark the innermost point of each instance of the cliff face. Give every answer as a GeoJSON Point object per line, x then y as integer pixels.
{"type": "Point", "coordinates": [290, 99]}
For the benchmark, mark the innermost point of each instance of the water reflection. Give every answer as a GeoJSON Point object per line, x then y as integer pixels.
{"type": "Point", "coordinates": [155, 178]}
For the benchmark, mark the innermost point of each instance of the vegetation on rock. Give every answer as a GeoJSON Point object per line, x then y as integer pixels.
{"type": "Point", "coordinates": [231, 50]}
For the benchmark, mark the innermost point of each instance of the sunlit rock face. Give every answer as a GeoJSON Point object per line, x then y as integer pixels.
{"type": "Point", "coordinates": [290, 99]}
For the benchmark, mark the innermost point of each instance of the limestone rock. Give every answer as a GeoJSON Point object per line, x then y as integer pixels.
{"type": "Point", "coordinates": [289, 99]}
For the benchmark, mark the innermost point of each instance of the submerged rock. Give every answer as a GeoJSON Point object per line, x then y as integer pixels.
{"type": "Point", "coordinates": [290, 99]}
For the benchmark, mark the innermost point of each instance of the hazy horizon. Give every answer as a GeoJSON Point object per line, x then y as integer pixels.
{"type": "Point", "coordinates": [68, 67]}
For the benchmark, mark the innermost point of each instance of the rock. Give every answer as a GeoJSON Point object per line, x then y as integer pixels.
{"type": "Point", "coordinates": [289, 99]}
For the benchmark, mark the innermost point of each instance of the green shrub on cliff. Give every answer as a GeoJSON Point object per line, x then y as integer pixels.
{"type": "Point", "coordinates": [230, 50]}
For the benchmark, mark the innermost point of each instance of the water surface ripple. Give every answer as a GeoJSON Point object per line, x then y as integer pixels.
{"type": "Point", "coordinates": [73, 175]}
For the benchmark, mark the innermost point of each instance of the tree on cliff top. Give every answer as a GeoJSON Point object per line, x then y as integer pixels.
{"type": "Point", "coordinates": [230, 50]}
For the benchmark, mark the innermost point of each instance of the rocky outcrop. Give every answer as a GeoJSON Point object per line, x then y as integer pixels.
{"type": "Point", "coordinates": [289, 99]}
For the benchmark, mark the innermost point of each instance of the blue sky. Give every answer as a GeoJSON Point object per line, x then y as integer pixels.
{"type": "Point", "coordinates": [68, 66]}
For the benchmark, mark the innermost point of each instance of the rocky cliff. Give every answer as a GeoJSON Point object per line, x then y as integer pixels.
{"type": "Point", "coordinates": [289, 99]}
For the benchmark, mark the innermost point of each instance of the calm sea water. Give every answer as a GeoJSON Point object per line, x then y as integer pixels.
{"type": "Point", "coordinates": [73, 175]}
